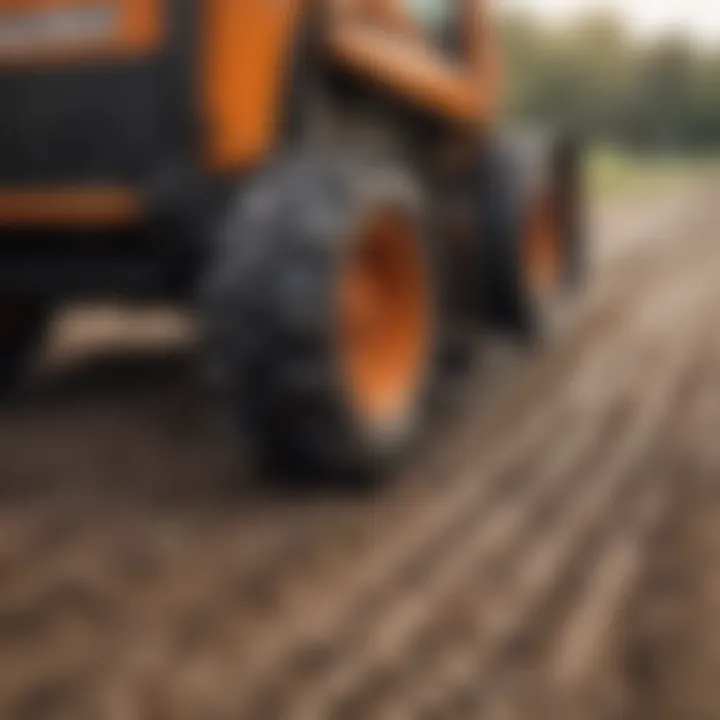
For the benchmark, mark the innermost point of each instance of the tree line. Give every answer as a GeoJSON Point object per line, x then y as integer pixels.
{"type": "Point", "coordinates": [594, 77]}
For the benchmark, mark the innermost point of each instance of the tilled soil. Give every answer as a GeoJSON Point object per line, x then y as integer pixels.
{"type": "Point", "coordinates": [550, 551]}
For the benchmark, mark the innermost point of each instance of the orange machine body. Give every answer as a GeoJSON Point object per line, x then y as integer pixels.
{"type": "Point", "coordinates": [242, 53]}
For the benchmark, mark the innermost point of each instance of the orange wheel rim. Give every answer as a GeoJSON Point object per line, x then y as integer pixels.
{"type": "Point", "coordinates": [542, 247]}
{"type": "Point", "coordinates": [385, 324]}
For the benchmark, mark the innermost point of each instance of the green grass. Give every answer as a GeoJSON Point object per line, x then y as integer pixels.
{"type": "Point", "coordinates": [614, 173]}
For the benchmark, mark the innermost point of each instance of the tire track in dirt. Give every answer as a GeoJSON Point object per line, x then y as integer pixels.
{"type": "Point", "coordinates": [586, 496]}
{"type": "Point", "coordinates": [575, 665]}
{"type": "Point", "coordinates": [671, 653]}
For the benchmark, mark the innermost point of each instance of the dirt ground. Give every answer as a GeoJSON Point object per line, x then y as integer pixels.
{"type": "Point", "coordinates": [551, 552]}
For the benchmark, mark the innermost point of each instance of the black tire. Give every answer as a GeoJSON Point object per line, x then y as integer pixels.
{"type": "Point", "coordinates": [269, 300]}
{"type": "Point", "coordinates": [515, 172]}
{"type": "Point", "coordinates": [23, 327]}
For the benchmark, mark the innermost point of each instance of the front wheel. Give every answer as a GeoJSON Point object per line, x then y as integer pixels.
{"type": "Point", "coordinates": [321, 315]}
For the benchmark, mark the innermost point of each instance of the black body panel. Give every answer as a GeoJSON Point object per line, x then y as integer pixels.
{"type": "Point", "coordinates": [90, 123]}
{"type": "Point", "coordinates": [125, 120]}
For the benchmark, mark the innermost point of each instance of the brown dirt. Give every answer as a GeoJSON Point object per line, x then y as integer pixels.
{"type": "Point", "coordinates": [550, 553]}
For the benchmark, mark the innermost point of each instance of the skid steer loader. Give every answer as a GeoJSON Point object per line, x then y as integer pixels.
{"type": "Point", "coordinates": [325, 180]}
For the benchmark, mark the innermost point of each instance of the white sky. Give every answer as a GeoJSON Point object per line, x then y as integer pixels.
{"type": "Point", "coordinates": [700, 17]}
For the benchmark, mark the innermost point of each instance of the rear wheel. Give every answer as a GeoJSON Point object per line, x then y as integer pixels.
{"type": "Point", "coordinates": [22, 329]}
{"type": "Point", "coordinates": [321, 312]}
{"type": "Point", "coordinates": [541, 246]}
{"type": "Point", "coordinates": [532, 236]}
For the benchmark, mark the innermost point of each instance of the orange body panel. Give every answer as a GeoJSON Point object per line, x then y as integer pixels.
{"type": "Point", "coordinates": [81, 207]}
{"type": "Point", "coordinates": [378, 39]}
{"type": "Point", "coordinates": [407, 69]}
{"type": "Point", "coordinates": [138, 29]}
{"type": "Point", "coordinates": [246, 55]}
